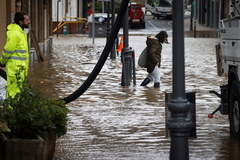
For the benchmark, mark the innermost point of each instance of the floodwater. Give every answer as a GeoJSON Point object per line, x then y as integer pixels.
{"type": "Point", "coordinates": [128, 123]}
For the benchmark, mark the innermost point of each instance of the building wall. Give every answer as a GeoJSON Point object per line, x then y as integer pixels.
{"type": "Point", "coordinates": [211, 11]}
{"type": "Point", "coordinates": [7, 9]}
{"type": "Point", "coordinates": [3, 23]}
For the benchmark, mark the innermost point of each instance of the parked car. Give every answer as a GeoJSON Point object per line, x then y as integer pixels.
{"type": "Point", "coordinates": [164, 9]}
{"type": "Point", "coordinates": [136, 15]}
{"type": "Point", "coordinates": [100, 24]}
{"type": "Point", "coordinates": [161, 9]}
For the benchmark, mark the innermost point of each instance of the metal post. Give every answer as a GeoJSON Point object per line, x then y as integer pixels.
{"type": "Point", "coordinates": [194, 31]}
{"type": "Point", "coordinates": [113, 52]}
{"type": "Point", "coordinates": [180, 122]}
{"type": "Point", "coordinates": [108, 20]}
{"type": "Point", "coordinates": [125, 51]}
{"type": "Point", "coordinates": [125, 31]}
{"type": "Point", "coordinates": [191, 17]}
{"type": "Point", "coordinates": [93, 22]}
{"type": "Point", "coordinates": [128, 60]}
{"type": "Point", "coordinates": [134, 69]}
{"type": "Point", "coordinates": [57, 15]}
{"type": "Point", "coordinates": [78, 15]}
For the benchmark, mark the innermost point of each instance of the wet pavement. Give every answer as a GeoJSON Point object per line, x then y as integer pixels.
{"type": "Point", "coordinates": [128, 123]}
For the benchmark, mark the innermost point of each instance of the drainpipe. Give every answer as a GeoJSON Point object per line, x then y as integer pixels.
{"type": "Point", "coordinates": [57, 15]}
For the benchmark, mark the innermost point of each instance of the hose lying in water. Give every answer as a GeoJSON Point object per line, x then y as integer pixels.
{"type": "Point", "coordinates": [103, 56]}
{"type": "Point", "coordinates": [101, 60]}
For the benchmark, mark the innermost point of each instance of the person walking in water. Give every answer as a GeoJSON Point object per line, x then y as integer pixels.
{"type": "Point", "coordinates": [154, 50]}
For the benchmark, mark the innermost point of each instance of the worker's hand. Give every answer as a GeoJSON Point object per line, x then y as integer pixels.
{"type": "Point", "coordinates": [2, 65]}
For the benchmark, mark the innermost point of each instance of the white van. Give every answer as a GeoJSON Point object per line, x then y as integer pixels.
{"type": "Point", "coordinates": [162, 8]}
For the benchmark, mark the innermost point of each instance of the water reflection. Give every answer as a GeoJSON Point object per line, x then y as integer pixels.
{"type": "Point", "coordinates": [113, 122]}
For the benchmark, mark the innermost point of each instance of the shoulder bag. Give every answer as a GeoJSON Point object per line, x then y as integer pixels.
{"type": "Point", "coordinates": [142, 60]}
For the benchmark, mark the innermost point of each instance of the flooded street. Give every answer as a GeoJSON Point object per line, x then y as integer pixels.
{"type": "Point", "coordinates": [111, 122]}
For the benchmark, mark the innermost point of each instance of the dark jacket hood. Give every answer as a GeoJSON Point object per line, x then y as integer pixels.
{"type": "Point", "coordinates": [152, 40]}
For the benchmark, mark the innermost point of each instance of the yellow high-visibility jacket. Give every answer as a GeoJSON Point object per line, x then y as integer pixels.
{"type": "Point", "coordinates": [15, 56]}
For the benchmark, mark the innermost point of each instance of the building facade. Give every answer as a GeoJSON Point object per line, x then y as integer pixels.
{"type": "Point", "coordinates": [209, 12]}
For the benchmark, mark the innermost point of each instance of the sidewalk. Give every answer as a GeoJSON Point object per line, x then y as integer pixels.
{"type": "Point", "coordinates": [201, 30]}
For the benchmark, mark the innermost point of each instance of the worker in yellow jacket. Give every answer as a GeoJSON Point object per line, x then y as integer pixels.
{"type": "Point", "coordinates": [15, 55]}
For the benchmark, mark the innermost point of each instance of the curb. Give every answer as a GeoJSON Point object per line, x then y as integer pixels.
{"type": "Point", "coordinates": [202, 34]}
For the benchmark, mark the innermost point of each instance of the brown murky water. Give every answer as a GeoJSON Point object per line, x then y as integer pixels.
{"type": "Point", "coordinates": [113, 122]}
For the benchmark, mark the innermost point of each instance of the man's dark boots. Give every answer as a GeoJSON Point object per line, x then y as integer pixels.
{"type": "Point", "coordinates": [156, 85]}
{"type": "Point", "coordinates": [145, 82]}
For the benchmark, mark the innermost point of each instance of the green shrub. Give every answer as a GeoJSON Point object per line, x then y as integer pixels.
{"type": "Point", "coordinates": [29, 114]}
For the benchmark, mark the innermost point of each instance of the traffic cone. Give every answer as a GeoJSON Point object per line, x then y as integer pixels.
{"type": "Point", "coordinates": [120, 47]}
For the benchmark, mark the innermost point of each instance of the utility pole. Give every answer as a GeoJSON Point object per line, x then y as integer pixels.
{"type": "Point", "coordinates": [57, 15]}
{"type": "Point", "coordinates": [191, 16]}
{"type": "Point", "coordinates": [113, 52]}
{"type": "Point", "coordinates": [108, 20]}
{"type": "Point", "coordinates": [127, 56]}
{"type": "Point", "coordinates": [125, 75]}
{"type": "Point", "coordinates": [93, 21]}
{"type": "Point", "coordinates": [180, 122]}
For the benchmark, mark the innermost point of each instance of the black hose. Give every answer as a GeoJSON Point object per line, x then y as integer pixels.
{"type": "Point", "coordinates": [103, 56]}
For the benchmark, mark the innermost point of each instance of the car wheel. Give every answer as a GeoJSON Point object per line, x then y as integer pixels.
{"type": "Point", "coordinates": [234, 110]}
